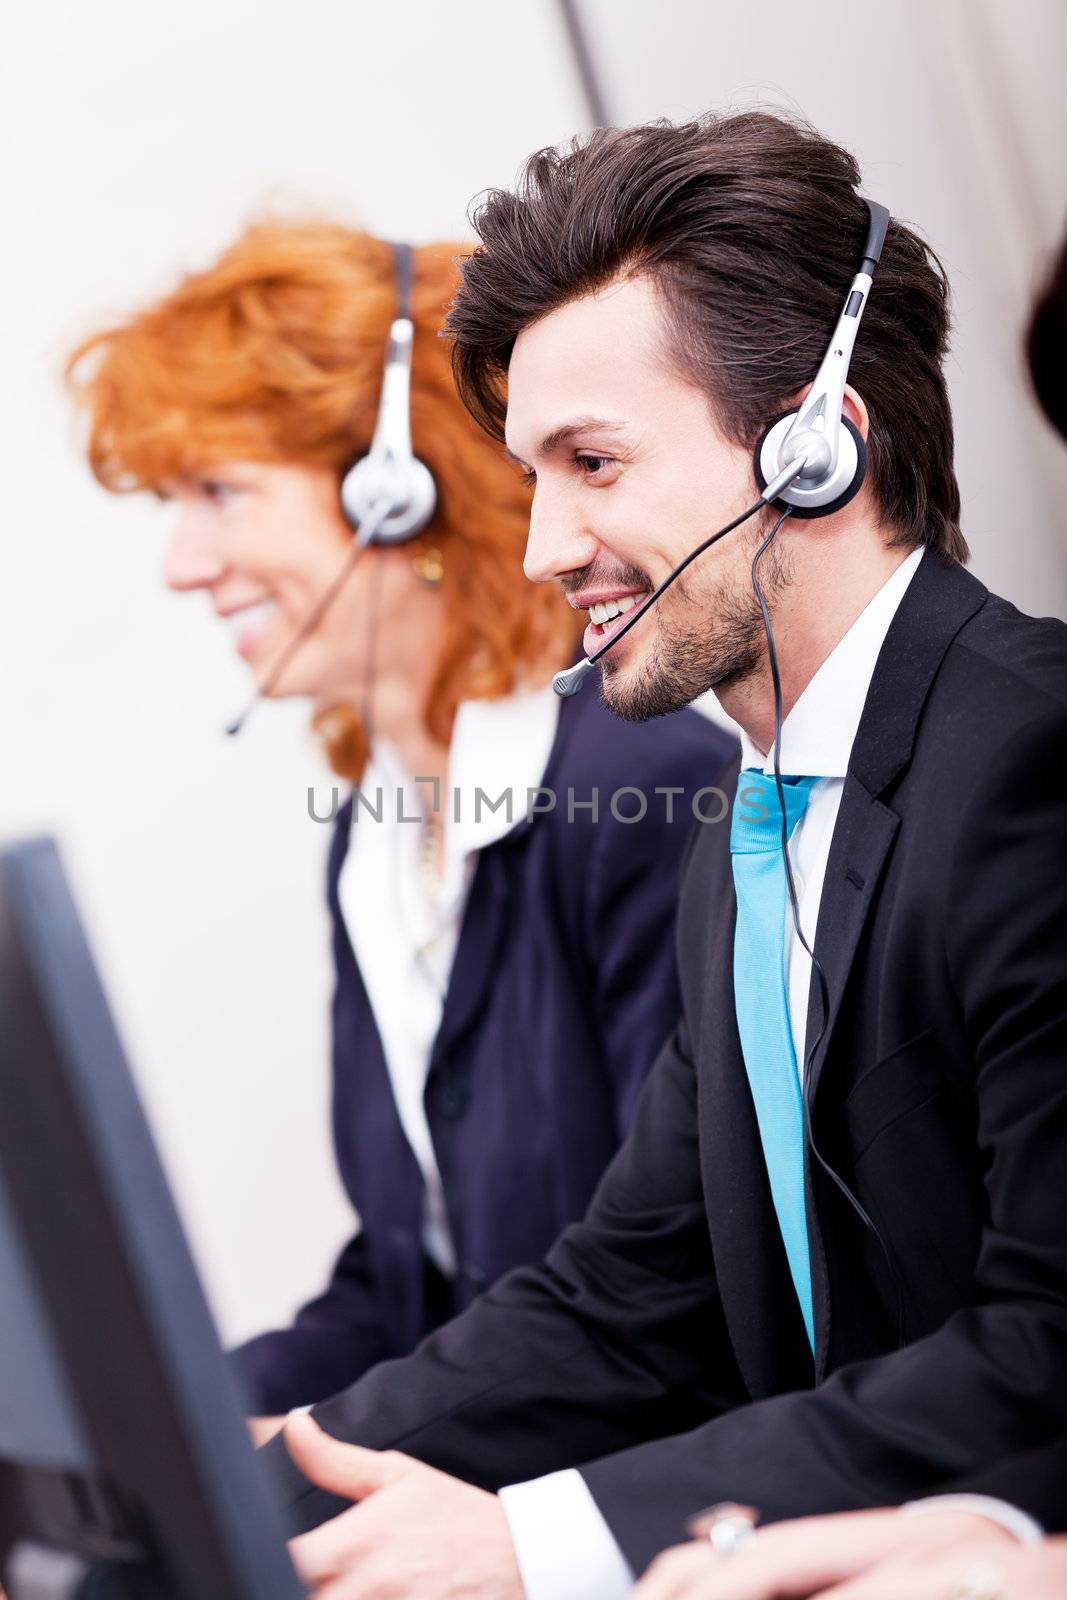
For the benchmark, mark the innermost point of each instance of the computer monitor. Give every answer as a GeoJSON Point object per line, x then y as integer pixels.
{"type": "Point", "coordinates": [125, 1465]}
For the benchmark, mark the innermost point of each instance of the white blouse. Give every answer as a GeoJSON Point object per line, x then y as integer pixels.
{"type": "Point", "coordinates": [404, 921]}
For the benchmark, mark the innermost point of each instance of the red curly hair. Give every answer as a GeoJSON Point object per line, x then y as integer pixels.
{"type": "Point", "coordinates": [274, 354]}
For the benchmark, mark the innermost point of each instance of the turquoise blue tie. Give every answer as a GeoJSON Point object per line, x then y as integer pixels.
{"type": "Point", "coordinates": [762, 1009]}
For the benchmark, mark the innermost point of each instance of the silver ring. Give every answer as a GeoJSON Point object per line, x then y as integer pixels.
{"type": "Point", "coordinates": [980, 1582]}
{"type": "Point", "coordinates": [728, 1527]}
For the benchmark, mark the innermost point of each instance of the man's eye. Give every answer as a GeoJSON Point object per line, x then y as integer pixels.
{"type": "Point", "coordinates": [592, 466]}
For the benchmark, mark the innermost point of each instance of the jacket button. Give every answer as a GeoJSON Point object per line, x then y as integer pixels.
{"type": "Point", "coordinates": [452, 1098]}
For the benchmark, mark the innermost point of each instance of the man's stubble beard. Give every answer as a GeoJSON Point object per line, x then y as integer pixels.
{"type": "Point", "coordinates": [712, 638]}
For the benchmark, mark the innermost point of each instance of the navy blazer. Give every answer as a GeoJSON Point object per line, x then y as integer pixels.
{"type": "Point", "coordinates": [561, 993]}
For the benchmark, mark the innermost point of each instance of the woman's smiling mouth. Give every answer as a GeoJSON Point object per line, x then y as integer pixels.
{"type": "Point", "coordinates": [249, 623]}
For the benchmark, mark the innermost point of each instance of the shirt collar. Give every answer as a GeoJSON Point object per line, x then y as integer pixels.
{"type": "Point", "coordinates": [499, 747]}
{"type": "Point", "coordinates": [818, 734]}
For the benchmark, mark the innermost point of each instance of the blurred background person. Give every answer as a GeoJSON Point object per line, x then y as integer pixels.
{"type": "Point", "coordinates": [503, 980]}
{"type": "Point", "coordinates": [1046, 345]}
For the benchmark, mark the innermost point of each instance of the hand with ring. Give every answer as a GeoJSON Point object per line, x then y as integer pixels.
{"type": "Point", "coordinates": [979, 1571]}
{"type": "Point", "coordinates": [727, 1527]}
{"type": "Point", "coordinates": [858, 1555]}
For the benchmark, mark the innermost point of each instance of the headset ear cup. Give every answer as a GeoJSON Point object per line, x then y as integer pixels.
{"type": "Point", "coordinates": [418, 507]}
{"type": "Point", "coordinates": [858, 476]}
{"type": "Point", "coordinates": [350, 493]}
{"type": "Point", "coordinates": [847, 492]}
{"type": "Point", "coordinates": [761, 476]}
{"type": "Point", "coordinates": [408, 482]}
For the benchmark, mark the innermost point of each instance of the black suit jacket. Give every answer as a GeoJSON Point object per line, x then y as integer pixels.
{"type": "Point", "coordinates": [660, 1344]}
{"type": "Point", "coordinates": [1035, 1481]}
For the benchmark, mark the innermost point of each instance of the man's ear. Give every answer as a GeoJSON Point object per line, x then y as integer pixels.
{"type": "Point", "coordinates": [855, 410]}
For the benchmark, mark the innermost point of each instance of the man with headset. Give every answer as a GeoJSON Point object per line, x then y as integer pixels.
{"type": "Point", "coordinates": [828, 1268]}
{"type": "Point", "coordinates": [876, 1555]}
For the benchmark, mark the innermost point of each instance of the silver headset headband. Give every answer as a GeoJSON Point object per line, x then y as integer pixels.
{"type": "Point", "coordinates": [390, 475]}
{"type": "Point", "coordinates": [816, 428]}
{"type": "Point", "coordinates": [392, 431]}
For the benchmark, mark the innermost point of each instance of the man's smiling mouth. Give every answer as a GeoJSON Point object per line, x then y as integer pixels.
{"type": "Point", "coordinates": [606, 610]}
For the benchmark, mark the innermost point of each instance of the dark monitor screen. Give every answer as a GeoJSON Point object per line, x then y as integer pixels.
{"type": "Point", "coordinates": [123, 1451]}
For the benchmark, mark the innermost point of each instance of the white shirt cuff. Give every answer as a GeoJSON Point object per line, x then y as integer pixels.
{"type": "Point", "coordinates": [1021, 1527]}
{"type": "Point", "coordinates": [564, 1547]}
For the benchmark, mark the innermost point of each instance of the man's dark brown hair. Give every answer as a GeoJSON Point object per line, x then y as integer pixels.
{"type": "Point", "coordinates": [752, 227]}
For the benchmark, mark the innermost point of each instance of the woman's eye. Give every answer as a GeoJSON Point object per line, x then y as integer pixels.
{"type": "Point", "coordinates": [528, 478]}
{"type": "Point", "coordinates": [215, 490]}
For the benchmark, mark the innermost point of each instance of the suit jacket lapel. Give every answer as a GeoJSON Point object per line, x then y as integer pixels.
{"type": "Point", "coordinates": [938, 601]}
{"type": "Point", "coordinates": [862, 839]}
{"type": "Point", "coordinates": [483, 931]}
{"type": "Point", "coordinates": [863, 834]}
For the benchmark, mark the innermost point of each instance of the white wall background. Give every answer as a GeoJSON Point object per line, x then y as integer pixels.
{"type": "Point", "coordinates": [955, 110]}
{"type": "Point", "coordinates": [145, 136]}
{"type": "Point", "coordinates": [142, 139]}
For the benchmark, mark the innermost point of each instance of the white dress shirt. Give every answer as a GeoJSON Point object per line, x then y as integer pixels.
{"type": "Point", "coordinates": [817, 739]}
{"type": "Point", "coordinates": [403, 920]}
{"type": "Point", "coordinates": [565, 1549]}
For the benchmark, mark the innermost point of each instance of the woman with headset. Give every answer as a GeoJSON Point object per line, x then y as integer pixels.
{"type": "Point", "coordinates": [504, 967]}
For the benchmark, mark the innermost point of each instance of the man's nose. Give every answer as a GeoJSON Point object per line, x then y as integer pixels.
{"type": "Point", "coordinates": [558, 542]}
{"type": "Point", "coordinates": [192, 560]}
